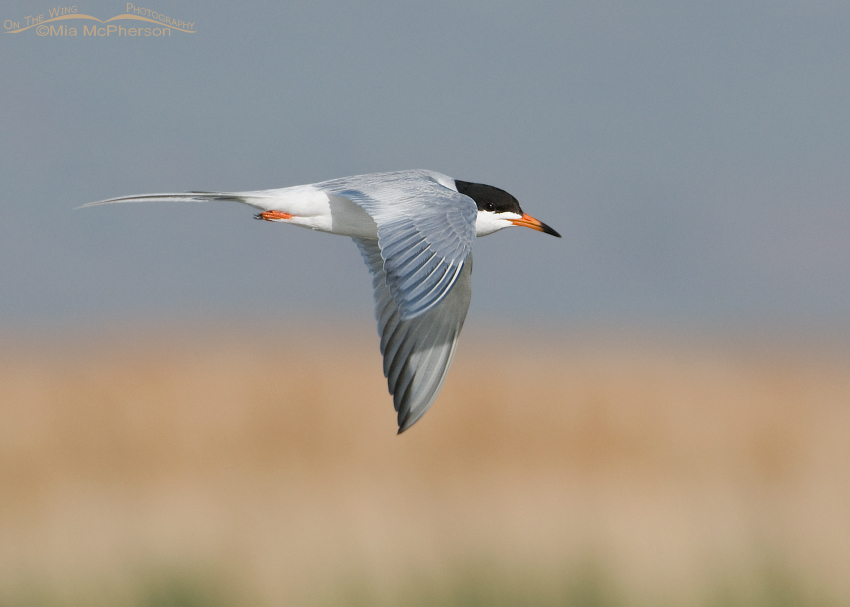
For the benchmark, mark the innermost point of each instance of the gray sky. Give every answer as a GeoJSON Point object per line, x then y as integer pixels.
{"type": "Point", "coordinates": [695, 156]}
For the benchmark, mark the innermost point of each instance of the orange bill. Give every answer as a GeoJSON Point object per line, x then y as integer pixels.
{"type": "Point", "coordinates": [535, 224]}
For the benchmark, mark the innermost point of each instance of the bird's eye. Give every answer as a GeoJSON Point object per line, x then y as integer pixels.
{"type": "Point", "coordinates": [489, 207]}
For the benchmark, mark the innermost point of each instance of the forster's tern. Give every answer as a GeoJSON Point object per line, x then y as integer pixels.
{"type": "Point", "coordinates": [415, 231]}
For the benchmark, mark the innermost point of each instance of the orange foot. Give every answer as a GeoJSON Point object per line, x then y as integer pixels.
{"type": "Point", "coordinates": [272, 215]}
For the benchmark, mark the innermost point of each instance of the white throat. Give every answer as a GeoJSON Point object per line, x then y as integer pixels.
{"type": "Point", "coordinates": [488, 222]}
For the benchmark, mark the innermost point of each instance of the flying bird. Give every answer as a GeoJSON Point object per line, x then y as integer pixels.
{"type": "Point", "coordinates": [415, 231]}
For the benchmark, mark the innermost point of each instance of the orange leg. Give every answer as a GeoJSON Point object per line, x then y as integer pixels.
{"type": "Point", "coordinates": [273, 215]}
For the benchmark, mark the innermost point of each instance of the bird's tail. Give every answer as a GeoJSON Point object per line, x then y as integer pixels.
{"type": "Point", "coordinates": [243, 197]}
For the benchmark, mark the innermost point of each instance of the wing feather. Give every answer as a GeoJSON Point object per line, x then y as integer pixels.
{"type": "Point", "coordinates": [418, 351]}
{"type": "Point", "coordinates": [425, 232]}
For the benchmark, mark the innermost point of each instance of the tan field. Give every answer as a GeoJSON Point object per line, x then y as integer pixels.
{"type": "Point", "coordinates": [176, 466]}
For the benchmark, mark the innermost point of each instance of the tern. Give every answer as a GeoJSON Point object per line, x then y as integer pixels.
{"type": "Point", "coordinates": [415, 230]}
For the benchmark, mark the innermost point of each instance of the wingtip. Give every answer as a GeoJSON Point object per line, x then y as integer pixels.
{"type": "Point", "coordinates": [405, 424]}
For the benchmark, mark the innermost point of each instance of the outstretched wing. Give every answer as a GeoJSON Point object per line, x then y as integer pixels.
{"type": "Point", "coordinates": [425, 232]}
{"type": "Point", "coordinates": [417, 352]}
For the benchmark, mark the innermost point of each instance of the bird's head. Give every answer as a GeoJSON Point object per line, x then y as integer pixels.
{"type": "Point", "coordinates": [498, 210]}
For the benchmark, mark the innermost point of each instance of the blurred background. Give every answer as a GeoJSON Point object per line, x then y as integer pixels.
{"type": "Point", "coordinates": [654, 409]}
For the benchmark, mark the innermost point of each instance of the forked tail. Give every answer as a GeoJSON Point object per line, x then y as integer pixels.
{"type": "Point", "coordinates": [244, 198]}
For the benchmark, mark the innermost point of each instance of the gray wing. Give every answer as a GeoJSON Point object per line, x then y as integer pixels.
{"type": "Point", "coordinates": [417, 352]}
{"type": "Point", "coordinates": [425, 233]}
